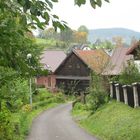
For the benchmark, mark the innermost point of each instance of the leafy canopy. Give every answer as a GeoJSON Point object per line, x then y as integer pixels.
{"type": "Point", "coordinates": [31, 11]}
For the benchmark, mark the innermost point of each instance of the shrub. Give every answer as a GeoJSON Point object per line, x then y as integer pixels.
{"type": "Point", "coordinates": [27, 108]}
{"type": "Point", "coordinates": [79, 106]}
{"type": "Point", "coordinates": [15, 93]}
{"type": "Point", "coordinates": [130, 74]}
{"type": "Point", "coordinates": [6, 127]}
{"type": "Point", "coordinates": [98, 95]}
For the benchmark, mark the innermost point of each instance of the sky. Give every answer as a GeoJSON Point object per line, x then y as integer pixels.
{"type": "Point", "coordinates": [117, 13]}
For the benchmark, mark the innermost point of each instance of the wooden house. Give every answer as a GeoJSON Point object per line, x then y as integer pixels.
{"type": "Point", "coordinates": [50, 61]}
{"type": "Point", "coordinates": [74, 72]}
{"type": "Point", "coordinates": [135, 51]}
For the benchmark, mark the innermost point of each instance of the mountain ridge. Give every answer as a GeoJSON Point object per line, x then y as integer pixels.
{"type": "Point", "coordinates": [109, 33]}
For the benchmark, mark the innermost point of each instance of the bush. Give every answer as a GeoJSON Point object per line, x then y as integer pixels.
{"type": "Point", "coordinates": [6, 127]}
{"type": "Point", "coordinates": [15, 93]}
{"type": "Point", "coordinates": [98, 95]}
{"type": "Point", "coordinates": [79, 106]}
{"type": "Point", "coordinates": [130, 74]}
{"type": "Point", "coordinates": [42, 95]}
{"type": "Point", "coordinates": [27, 108]}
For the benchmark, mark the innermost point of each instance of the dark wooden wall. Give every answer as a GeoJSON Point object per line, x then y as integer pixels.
{"type": "Point", "coordinates": [73, 66]}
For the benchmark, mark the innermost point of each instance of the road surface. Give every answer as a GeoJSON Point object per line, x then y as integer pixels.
{"type": "Point", "coordinates": [57, 124]}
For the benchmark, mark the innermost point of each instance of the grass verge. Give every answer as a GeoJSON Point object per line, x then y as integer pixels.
{"type": "Point", "coordinates": [113, 121]}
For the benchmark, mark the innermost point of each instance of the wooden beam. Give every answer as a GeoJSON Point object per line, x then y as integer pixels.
{"type": "Point", "coordinates": [74, 77]}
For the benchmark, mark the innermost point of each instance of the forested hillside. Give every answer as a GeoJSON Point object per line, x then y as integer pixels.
{"type": "Point", "coordinates": [110, 33]}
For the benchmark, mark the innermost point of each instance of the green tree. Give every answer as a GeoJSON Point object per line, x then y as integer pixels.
{"type": "Point", "coordinates": [83, 28]}
{"type": "Point", "coordinates": [31, 11]}
{"type": "Point", "coordinates": [103, 44]}
{"type": "Point", "coordinates": [130, 74]}
{"type": "Point", "coordinates": [66, 35]}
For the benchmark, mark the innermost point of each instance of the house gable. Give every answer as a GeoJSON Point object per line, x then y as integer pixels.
{"type": "Point", "coordinates": [73, 66]}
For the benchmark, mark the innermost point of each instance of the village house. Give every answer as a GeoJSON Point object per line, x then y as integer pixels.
{"type": "Point", "coordinates": [135, 51]}
{"type": "Point", "coordinates": [74, 72]}
{"type": "Point", "coordinates": [118, 62]}
{"type": "Point", "coordinates": [50, 61]}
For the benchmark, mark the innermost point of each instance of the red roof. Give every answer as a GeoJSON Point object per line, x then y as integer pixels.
{"type": "Point", "coordinates": [95, 59]}
{"type": "Point", "coordinates": [131, 50]}
{"type": "Point", "coordinates": [117, 62]}
{"type": "Point", "coordinates": [52, 59]}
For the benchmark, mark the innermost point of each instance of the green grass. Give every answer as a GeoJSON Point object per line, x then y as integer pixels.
{"type": "Point", "coordinates": [50, 44]}
{"type": "Point", "coordinates": [113, 121]}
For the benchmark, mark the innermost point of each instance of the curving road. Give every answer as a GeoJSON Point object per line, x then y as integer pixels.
{"type": "Point", "coordinates": [57, 124]}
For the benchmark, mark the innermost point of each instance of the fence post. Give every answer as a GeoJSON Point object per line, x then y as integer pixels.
{"type": "Point", "coordinates": [111, 89]}
{"type": "Point", "coordinates": [117, 92]}
{"type": "Point", "coordinates": [135, 92]}
{"type": "Point", "coordinates": [125, 94]}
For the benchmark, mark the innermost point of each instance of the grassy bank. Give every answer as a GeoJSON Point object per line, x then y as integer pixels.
{"type": "Point", "coordinates": [113, 121]}
{"type": "Point", "coordinates": [22, 120]}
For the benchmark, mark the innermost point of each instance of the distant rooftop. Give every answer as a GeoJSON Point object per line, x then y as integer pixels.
{"type": "Point", "coordinates": [117, 62]}
{"type": "Point", "coordinates": [52, 59]}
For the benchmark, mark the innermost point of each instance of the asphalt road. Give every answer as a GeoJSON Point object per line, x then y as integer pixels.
{"type": "Point", "coordinates": [57, 124]}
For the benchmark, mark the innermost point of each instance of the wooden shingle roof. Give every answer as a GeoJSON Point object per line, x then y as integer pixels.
{"type": "Point", "coordinates": [94, 59]}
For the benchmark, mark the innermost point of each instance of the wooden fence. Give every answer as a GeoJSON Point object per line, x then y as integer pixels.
{"type": "Point", "coordinates": [129, 94]}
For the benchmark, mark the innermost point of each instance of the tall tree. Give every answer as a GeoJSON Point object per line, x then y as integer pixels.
{"type": "Point", "coordinates": [66, 35]}
{"type": "Point", "coordinates": [118, 40]}
{"type": "Point", "coordinates": [83, 28]}
{"type": "Point", "coordinates": [80, 37]}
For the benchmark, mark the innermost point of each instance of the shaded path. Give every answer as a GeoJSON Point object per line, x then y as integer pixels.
{"type": "Point", "coordinates": [57, 124]}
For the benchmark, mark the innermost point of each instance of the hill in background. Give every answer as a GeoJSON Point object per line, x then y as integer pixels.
{"type": "Point", "coordinates": [109, 33]}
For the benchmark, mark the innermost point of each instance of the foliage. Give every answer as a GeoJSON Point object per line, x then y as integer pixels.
{"type": "Point", "coordinates": [70, 88]}
{"type": "Point", "coordinates": [130, 74]}
{"type": "Point", "coordinates": [113, 121]}
{"type": "Point", "coordinates": [16, 43]}
{"type": "Point", "coordinates": [6, 127]}
{"type": "Point", "coordinates": [79, 111]}
{"type": "Point", "coordinates": [98, 95]}
{"type": "Point", "coordinates": [62, 40]}
{"type": "Point", "coordinates": [66, 35]}
{"type": "Point", "coordinates": [31, 11]}
{"type": "Point", "coordinates": [83, 28]}
{"type": "Point", "coordinates": [48, 33]}
{"type": "Point", "coordinates": [26, 108]}
{"type": "Point", "coordinates": [15, 93]}
{"type": "Point", "coordinates": [103, 44]}
{"type": "Point", "coordinates": [118, 40]}
{"type": "Point", "coordinates": [80, 37]}
{"type": "Point", "coordinates": [93, 3]}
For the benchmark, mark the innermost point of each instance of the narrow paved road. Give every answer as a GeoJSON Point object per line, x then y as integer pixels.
{"type": "Point", "coordinates": [57, 124]}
